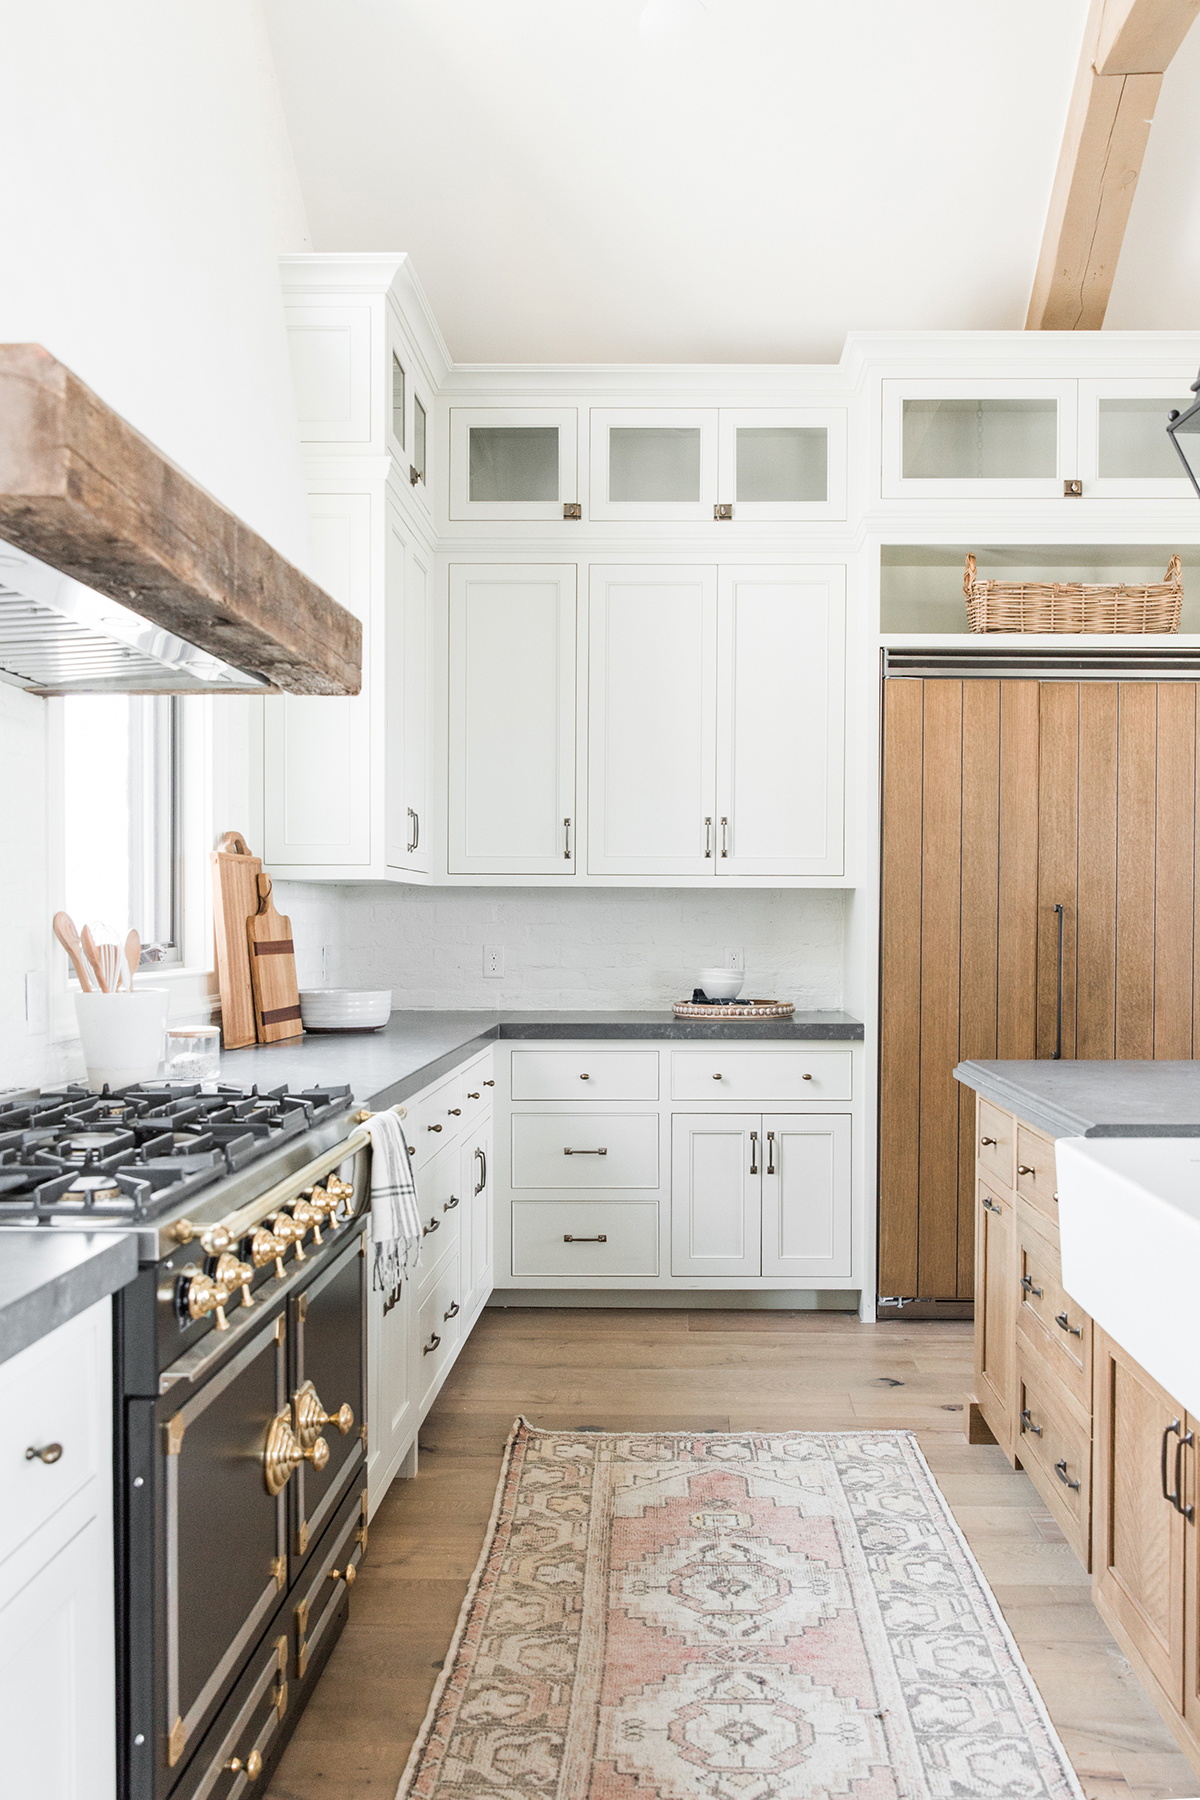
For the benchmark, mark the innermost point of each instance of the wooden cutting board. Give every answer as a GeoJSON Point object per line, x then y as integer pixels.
{"type": "Point", "coordinates": [235, 875]}
{"type": "Point", "coordinates": [273, 970]}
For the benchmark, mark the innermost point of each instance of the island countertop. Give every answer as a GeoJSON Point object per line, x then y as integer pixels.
{"type": "Point", "coordinates": [415, 1048]}
{"type": "Point", "coordinates": [1093, 1099]}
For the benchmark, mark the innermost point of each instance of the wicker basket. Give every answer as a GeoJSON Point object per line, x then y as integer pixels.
{"type": "Point", "coordinates": [1073, 605]}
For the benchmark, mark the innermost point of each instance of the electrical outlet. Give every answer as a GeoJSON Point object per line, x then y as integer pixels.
{"type": "Point", "coordinates": [735, 960]}
{"type": "Point", "coordinates": [493, 960]}
{"type": "Point", "coordinates": [37, 1009]}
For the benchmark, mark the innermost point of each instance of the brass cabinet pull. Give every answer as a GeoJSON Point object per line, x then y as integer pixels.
{"type": "Point", "coordinates": [1024, 1169]}
{"type": "Point", "coordinates": [487, 1084]}
{"type": "Point", "coordinates": [453, 1313]}
{"type": "Point", "coordinates": [349, 1575]}
{"type": "Point", "coordinates": [708, 837]}
{"type": "Point", "coordinates": [1028, 1285]}
{"type": "Point", "coordinates": [311, 1415]}
{"type": "Point", "coordinates": [435, 1224]}
{"type": "Point", "coordinates": [724, 837]}
{"type": "Point", "coordinates": [283, 1453]}
{"type": "Point", "coordinates": [49, 1453]}
{"type": "Point", "coordinates": [717, 1078]}
{"type": "Point", "coordinates": [1060, 1469]}
{"type": "Point", "coordinates": [991, 1205]}
{"type": "Point", "coordinates": [987, 1140]}
{"type": "Point", "coordinates": [1027, 1423]}
{"type": "Point", "coordinates": [567, 1152]}
{"type": "Point", "coordinates": [754, 1153]}
{"type": "Point", "coordinates": [585, 1078]}
{"type": "Point", "coordinates": [472, 1096]}
{"type": "Point", "coordinates": [806, 1078]}
{"type": "Point", "coordinates": [1064, 1324]}
{"type": "Point", "coordinates": [566, 840]}
{"type": "Point", "coordinates": [251, 1768]}
{"type": "Point", "coordinates": [569, 1239]}
{"type": "Point", "coordinates": [433, 1343]}
{"type": "Point", "coordinates": [455, 1112]}
{"type": "Point", "coordinates": [433, 1128]}
{"type": "Point", "coordinates": [450, 1204]}
{"type": "Point", "coordinates": [770, 1153]}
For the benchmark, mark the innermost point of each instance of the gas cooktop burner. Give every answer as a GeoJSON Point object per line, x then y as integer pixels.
{"type": "Point", "coordinates": [69, 1153]}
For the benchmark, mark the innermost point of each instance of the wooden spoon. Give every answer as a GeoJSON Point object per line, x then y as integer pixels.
{"type": "Point", "coordinates": [133, 956]}
{"type": "Point", "coordinates": [93, 956]}
{"type": "Point", "coordinates": [68, 937]}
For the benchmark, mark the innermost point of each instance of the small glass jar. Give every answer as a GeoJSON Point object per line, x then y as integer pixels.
{"type": "Point", "coordinates": [194, 1054]}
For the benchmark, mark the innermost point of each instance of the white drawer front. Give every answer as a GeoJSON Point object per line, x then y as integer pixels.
{"type": "Point", "coordinates": [54, 1392]}
{"type": "Point", "coordinates": [585, 1074]}
{"type": "Point", "coordinates": [727, 1073]}
{"type": "Point", "coordinates": [437, 1327]}
{"type": "Point", "coordinates": [434, 1117]}
{"type": "Point", "coordinates": [478, 1086]}
{"type": "Point", "coordinates": [441, 1204]}
{"type": "Point", "coordinates": [585, 1237]}
{"type": "Point", "coordinates": [585, 1150]}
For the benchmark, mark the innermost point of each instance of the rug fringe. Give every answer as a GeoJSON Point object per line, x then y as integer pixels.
{"type": "Point", "coordinates": [489, 1538]}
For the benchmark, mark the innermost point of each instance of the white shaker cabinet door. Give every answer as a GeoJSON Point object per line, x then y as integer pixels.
{"type": "Point", "coordinates": [806, 1195]}
{"type": "Point", "coordinates": [781, 721]}
{"type": "Point", "coordinates": [652, 664]}
{"type": "Point", "coordinates": [512, 719]}
{"type": "Point", "coordinates": [407, 687]}
{"type": "Point", "coordinates": [716, 1194]}
{"type": "Point", "coordinates": [317, 764]}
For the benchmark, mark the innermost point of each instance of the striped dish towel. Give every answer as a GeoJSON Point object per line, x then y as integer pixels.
{"type": "Point", "coordinates": [396, 1223]}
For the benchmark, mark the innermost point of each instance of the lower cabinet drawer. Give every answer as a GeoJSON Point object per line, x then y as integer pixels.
{"type": "Point", "coordinates": [440, 1202]}
{"type": "Point", "coordinates": [1048, 1320]}
{"type": "Point", "coordinates": [585, 1074]}
{"type": "Point", "coordinates": [437, 1327]}
{"type": "Point", "coordinates": [585, 1237]}
{"type": "Point", "coordinates": [1037, 1181]}
{"type": "Point", "coordinates": [247, 1733]}
{"type": "Point", "coordinates": [721, 1073]}
{"type": "Point", "coordinates": [331, 1572]}
{"type": "Point", "coordinates": [1056, 1450]}
{"type": "Point", "coordinates": [585, 1150]}
{"type": "Point", "coordinates": [51, 1396]}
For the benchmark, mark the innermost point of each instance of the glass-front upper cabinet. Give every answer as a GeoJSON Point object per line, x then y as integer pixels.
{"type": "Point", "coordinates": [653, 462]}
{"type": "Point", "coordinates": [982, 438]}
{"type": "Point", "coordinates": [513, 463]}
{"type": "Point", "coordinates": [1124, 450]}
{"type": "Point", "coordinates": [778, 464]}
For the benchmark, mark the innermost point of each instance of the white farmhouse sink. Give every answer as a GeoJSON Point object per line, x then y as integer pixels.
{"type": "Point", "coordinates": [1129, 1218]}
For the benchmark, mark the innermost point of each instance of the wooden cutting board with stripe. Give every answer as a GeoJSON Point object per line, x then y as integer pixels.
{"type": "Point", "coordinates": [273, 970]}
{"type": "Point", "coordinates": [235, 897]}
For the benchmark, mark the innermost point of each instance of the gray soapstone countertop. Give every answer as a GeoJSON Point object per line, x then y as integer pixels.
{"type": "Point", "coordinates": [48, 1276]}
{"type": "Point", "coordinates": [415, 1048]}
{"type": "Point", "coordinates": [1093, 1099]}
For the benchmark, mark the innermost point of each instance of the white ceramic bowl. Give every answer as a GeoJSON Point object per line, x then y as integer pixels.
{"type": "Point", "coordinates": [721, 984]}
{"type": "Point", "coordinates": [345, 1009]}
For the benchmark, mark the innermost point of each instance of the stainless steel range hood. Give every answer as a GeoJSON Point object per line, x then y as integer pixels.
{"type": "Point", "coordinates": [59, 637]}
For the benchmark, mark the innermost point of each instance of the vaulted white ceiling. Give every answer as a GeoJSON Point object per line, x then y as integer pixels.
{"type": "Point", "coordinates": [748, 188]}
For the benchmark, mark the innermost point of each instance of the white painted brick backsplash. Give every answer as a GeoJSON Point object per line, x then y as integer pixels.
{"type": "Point", "coordinates": [604, 949]}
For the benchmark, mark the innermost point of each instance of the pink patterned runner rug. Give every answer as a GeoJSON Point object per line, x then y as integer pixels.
{"type": "Point", "coordinates": [760, 1616]}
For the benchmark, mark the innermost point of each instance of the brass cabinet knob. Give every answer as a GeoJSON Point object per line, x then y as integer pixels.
{"type": "Point", "coordinates": [454, 1111]}
{"type": "Point", "coordinates": [233, 1273]}
{"type": "Point", "coordinates": [265, 1247]}
{"type": "Point", "coordinates": [433, 1128]}
{"type": "Point", "coordinates": [49, 1453]}
{"type": "Point", "coordinates": [716, 1078]}
{"type": "Point", "coordinates": [487, 1084]}
{"type": "Point", "coordinates": [311, 1415]}
{"type": "Point", "coordinates": [472, 1096]}
{"type": "Point", "coordinates": [806, 1078]}
{"type": "Point", "coordinates": [1025, 1169]}
{"type": "Point", "coordinates": [251, 1768]}
{"type": "Point", "coordinates": [349, 1575]}
{"type": "Point", "coordinates": [987, 1140]}
{"type": "Point", "coordinates": [283, 1453]}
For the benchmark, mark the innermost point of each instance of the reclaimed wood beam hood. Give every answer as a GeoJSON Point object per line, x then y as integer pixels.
{"type": "Point", "coordinates": [81, 490]}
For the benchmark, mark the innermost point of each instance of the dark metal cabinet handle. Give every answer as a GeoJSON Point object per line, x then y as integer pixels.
{"type": "Point", "coordinates": [49, 1453]}
{"type": "Point", "coordinates": [1187, 1437]}
{"type": "Point", "coordinates": [569, 1239]}
{"type": "Point", "coordinates": [770, 1153]}
{"type": "Point", "coordinates": [567, 840]}
{"type": "Point", "coordinates": [1027, 1284]}
{"type": "Point", "coordinates": [1025, 1169]}
{"type": "Point", "coordinates": [1064, 1324]}
{"type": "Point", "coordinates": [567, 1152]}
{"type": "Point", "coordinates": [985, 1140]}
{"type": "Point", "coordinates": [1027, 1423]}
{"type": "Point", "coordinates": [724, 837]}
{"type": "Point", "coordinates": [433, 1343]}
{"type": "Point", "coordinates": [433, 1225]}
{"type": "Point", "coordinates": [1060, 1469]}
{"type": "Point", "coordinates": [754, 1153]}
{"type": "Point", "coordinates": [991, 1205]}
{"type": "Point", "coordinates": [450, 1204]}
{"type": "Point", "coordinates": [708, 837]}
{"type": "Point", "coordinates": [453, 1313]}
{"type": "Point", "coordinates": [1166, 1493]}
{"type": "Point", "coordinates": [416, 830]}
{"type": "Point", "coordinates": [482, 1155]}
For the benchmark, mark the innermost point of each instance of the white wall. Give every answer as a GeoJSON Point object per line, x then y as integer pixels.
{"type": "Point", "coordinates": [149, 189]}
{"type": "Point", "coordinates": [601, 949]}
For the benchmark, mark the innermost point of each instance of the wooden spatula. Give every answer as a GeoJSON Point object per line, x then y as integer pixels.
{"type": "Point", "coordinates": [68, 937]}
{"type": "Point", "coordinates": [273, 970]}
{"type": "Point", "coordinates": [92, 952]}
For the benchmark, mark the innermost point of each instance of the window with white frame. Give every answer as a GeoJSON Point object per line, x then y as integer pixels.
{"type": "Point", "coordinates": [121, 818]}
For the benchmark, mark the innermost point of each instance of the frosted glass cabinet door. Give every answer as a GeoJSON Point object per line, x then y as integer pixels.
{"type": "Point", "coordinates": [651, 720]}
{"type": "Point", "coordinates": [1124, 450]}
{"type": "Point", "coordinates": [781, 721]}
{"type": "Point", "coordinates": [407, 678]}
{"type": "Point", "coordinates": [776, 463]}
{"type": "Point", "coordinates": [512, 719]}
{"type": "Point", "coordinates": [806, 1195]}
{"type": "Point", "coordinates": [653, 463]}
{"type": "Point", "coordinates": [316, 752]}
{"type": "Point", "coordinates": [943, 439]}
{"type": "Point", "coordinates": [716, 1194]}
{"type": "Point", "coordinates": [512, 463]}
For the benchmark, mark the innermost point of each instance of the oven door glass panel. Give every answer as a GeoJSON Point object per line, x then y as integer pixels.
{"type": "Point", "coordinates": [330, 1353]}
{"type": "Point", "coordinates": [223, 1531]}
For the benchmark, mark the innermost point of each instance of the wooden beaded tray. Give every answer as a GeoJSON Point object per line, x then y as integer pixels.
{"type": "Point", "coordinates": [735, 1009]}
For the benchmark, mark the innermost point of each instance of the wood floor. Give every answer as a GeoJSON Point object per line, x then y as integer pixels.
{"type": "Point", "coordinates": [724, 1371]}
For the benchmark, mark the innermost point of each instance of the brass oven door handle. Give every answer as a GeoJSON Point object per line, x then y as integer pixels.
{"type": "Point", "coordinates": [569, 1239]}
{"type": "Point", "coordinates": [349, 1575]}
{"type": "Point", "coordinates": [585, 1152]}
{"type": "Point", "coordinates": [1064, 1324]}
{"type": "Point", "coordinates": [251, 1768]}
{"type": "Point", "coordinates": [1028, 1284]}
{"type": "Point", "coordinates": [283, 1453]}
{"type": "Point", "coordinates": [310, 1415]}
{"type": "Point", "coordinates": [1060, 1469]}
{"type": "Point", "coordinates": [433, 1343]}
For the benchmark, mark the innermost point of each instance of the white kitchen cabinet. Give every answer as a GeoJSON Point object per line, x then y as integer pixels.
{"type": "Point", "coordinates": [780, 721]}
{"type": "Point", "coordinates": [1124, 450]}
{"type": "Point", "coordinates": [407, 627]}
{"type": "Point", "coordinates": [57, 1665]}
{"type": "Point", "coordinates": [1006, 438]}
{"type": "Point", "coordinates": [517, 463]}
{"type": "Point", "coordinates": [716, 1194]}
{"type": "Point", "coordinates": [782, 463]}
{"type": "Point", "coordinates": [657, 463]}
{"type": "Point", "coordinates": [806, 1195]}
{"type": "Point", "coordinates": [512, 719]}
{"type": "Point", "coordinates": [476, 1242]}
{"type": "Point", "coordinates": [391, 1396]}
{"type": "Point", "coordinates": [652, 678]}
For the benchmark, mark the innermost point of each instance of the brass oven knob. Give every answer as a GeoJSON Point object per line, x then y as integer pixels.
{"type": "Point", "coordinates": [216, 1240]}
{"type": "Point", "coordinates": [283, 1453]}
{"type": "Point", "coordinates": [349, 1575]}
{"type": "Point", "coordinates": [251, 1768]}
{"type": "Point", "coordinates": [265, 1247]}
{"type": "Point", "coordinates": [232, 1273]}
{"type": "Point", "coordinates": [290, 1231]}
{"type": "Point", "coordinates": [204, 1295]}
{"type": "Point", "coordinates": [309, 1216]}
{"type": "Point", "coordinates": [338, 1189]}
{"type": "Point", "coordinates": [311, 1415]}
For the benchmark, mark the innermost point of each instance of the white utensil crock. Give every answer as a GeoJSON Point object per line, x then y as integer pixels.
{"type": "Point", "coordinates": [122, 1035]}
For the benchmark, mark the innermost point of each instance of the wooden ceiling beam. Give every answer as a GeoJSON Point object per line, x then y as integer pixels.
{"type": "Point", "coordinates": [84, 492]}
{"type": "Point", "coordinates": [1127, 46]}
